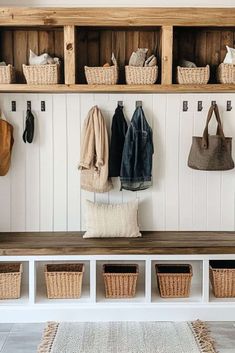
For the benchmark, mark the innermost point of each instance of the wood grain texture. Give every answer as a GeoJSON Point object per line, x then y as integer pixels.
{"type": "Point", "coordinates": [69, 55]}
{"type": "Point", "coordinates": [206, 45]}
{"type": "Point", "coordinates": [117, 16]}
{"type": "Point", "coordinates": [167, 54]}
{"type": "Point", "coordinates": [64, 243]}
{"type": "Point", "coordinates": [95, 46]}
{"type": "Point", "coordinates": [15, 44]}
{"type": "Point", "coordinates": [84, 88]}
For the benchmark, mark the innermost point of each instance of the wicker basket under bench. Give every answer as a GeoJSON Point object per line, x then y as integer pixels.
{"type": "Point", "coordinates": [174, 280]}
{"type": "Point", "coordinates": [10, 280]}
{"type": "Point", "coordinates": [222, 277]}
{"type": "Point", "coordinates": [64, 281]}
{"type": "Point", "coordinates": [120, 280]}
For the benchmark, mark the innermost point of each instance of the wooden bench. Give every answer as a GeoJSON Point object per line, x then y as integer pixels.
{"type": "Point", "coordinates": [34, 250]}
{"type": "Point", "coordinates": [72, 243]}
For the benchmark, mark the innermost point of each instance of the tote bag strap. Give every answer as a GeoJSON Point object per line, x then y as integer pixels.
{"type": "Point", "coordinates": [213, 108]}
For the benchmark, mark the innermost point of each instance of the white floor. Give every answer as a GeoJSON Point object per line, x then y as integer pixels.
{"type": "Point", "coordinates": [24, 338]}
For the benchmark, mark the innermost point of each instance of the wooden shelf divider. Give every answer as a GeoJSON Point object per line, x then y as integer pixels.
{"type": "Point", "coordinates": [167, 54]}
{"type": "Point", "coordinates": [69, 55]}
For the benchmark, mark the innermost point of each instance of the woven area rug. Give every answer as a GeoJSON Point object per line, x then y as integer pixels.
{"type": "Point", "coordinates": [127, 337]}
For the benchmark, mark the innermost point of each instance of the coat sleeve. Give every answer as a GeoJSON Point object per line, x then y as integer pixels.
{"type": "Point", "coordinates": [87, 143]}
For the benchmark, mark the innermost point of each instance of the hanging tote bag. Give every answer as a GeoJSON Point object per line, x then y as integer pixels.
{"type": "Point", "coordinates": [6, 143]}
{"type": "Point", "coordinates": [211, 152]}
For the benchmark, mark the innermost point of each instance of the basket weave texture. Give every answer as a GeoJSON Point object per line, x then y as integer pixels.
{"type": "Point", "coordinates": [223, 282]}
{"type": "Point", "coordinates": [226, 73]}
{"type": "Point", "coordinates": [42, 74]}
{"type": "Point", "coordinates": [10, 280]}
{"type": "Point", "coordinates": [174, 285]}
{"type": "Point", "coordinates": [195, 75]}
{"type": "Point", "coordinates": [64, 281]}
{"type": "Point", "coordinates": [103, 75]}
{"type": "Point", "coordinates": [7, 74]}
{"type": "Point", "coordinates": [136, 75]}
{"type": "Point", "coordinates": [120, 284]}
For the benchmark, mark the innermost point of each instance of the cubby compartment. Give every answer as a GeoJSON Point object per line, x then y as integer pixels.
{"type": "Point", "coordinates": [94, 47]}
{"type": "Point", "coordinates": [15, 43]}
{"type": "Point", "coordinates": [203, 46]}
{"type": "Point", "coordinates": [41, 291]}
{"type": "Point", "coordinates": [196, 284]}
{"type": "Point", "coordinates": [24, 292]}
{"type": "Point", "coordinates": [140, 286]}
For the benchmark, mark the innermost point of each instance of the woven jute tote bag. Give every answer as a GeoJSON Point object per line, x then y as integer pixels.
{"type": "Point", "coordinates": [211, 152]}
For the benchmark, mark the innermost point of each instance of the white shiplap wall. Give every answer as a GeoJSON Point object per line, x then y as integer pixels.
{"type": "Point", "coordinates": [41, 192]}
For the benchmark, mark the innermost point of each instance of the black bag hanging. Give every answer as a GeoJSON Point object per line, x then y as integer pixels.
{"type": "Point", "coordinates": [29, 127]}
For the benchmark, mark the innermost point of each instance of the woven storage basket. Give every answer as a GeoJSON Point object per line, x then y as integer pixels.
{"type": "Point", "coordinates": [10, 280]}
{"type": "Point", "coordinates": [64, 281]}
{"type": "Point", "coordinates": [42, 74]}
{"type": "Point", "coordinates": [174, 280]}
{"type": "Point", "coordinates": [120, 280]}
{"type": "Point", "coordinates": [195, 75]}
{"type": "Point", "coordinates": [7, 74]}
{"type": "Point", "coordinates": [226, 73]}
{"type": "Point", "coordinates": [222, 276]}
{"type": "Point", "coordinates": [136, 75]}
{"type": "Point", "coordinates": [106, 75]}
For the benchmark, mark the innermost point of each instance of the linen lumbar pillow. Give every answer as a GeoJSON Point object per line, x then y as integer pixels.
{"type": "Point", "coordinates": [112, 221]}
{"type": "Point", "coordinates": [230, 56]}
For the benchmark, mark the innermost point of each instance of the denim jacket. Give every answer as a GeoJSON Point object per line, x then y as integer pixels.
{"type": "Point", "coordinates": [136, 166]}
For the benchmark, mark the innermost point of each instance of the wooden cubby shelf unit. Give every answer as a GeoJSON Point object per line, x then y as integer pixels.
{"type": "Point", "coordinates": [88, 36]}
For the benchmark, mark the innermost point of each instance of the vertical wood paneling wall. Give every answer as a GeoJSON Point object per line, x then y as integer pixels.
{"type": "Point", "coordinates": [42, 190]}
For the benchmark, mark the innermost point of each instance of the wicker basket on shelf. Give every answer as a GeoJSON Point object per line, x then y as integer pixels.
{"type": "Point", "coordinates": [7, 74]}
{"type": "Point", "coordinates": [136, 75]}
{"type": "Point", "coordinates": [226, 73]}
{"type": "Point", "coordinates": [10, 280]}
{"type": "Point", "coordinates": [42, 74]}
{"type": "Point", "coordinates": [194, 75]}
{"type": "Point", "coordinates": [101, 75]}
{"type": "Point", "coordinates": [64, 281]}
{"type": "Point", "coordinates": [222, 277]}
{"type": "Point", "coordinates": [174, 280]}
{"type": "Point", "coordinates": [120, 280]}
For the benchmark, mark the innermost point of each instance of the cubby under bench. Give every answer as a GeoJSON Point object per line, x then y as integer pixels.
{"type": "Point", "coordinates": [34, 250]}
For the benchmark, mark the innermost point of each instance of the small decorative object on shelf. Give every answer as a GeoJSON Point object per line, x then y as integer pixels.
{"type": "Point", "coordinates": [226, 73]}
{"type": "Point", "coordinates": [120, 280]}
{"type": "Point", "coordinates": [193, 75]}
{"type": "Point", "coordinates": [102, 75]}
{"type": "Point", "coordinates": [222, 276]}
{"type": "Point", "coordinates": [64, 281]}
{"type": "Point", "coordinates": [174, 280]}
{"type": "Point", "coordinates": [10, 280]}
{"type": "Point", "coordinates": [7, 74]}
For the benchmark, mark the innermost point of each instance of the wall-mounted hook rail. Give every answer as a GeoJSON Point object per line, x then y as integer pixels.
{"type": "Point", "coordinates": [43, 106]}
{"type": "Point", "coordinates": [185, 106]}
{"type": "Point", "coordinates": [229, 106]}
{"type": "Point", "coordinates": [213, 102]}
{"type": "Point", "coordinates": [28, 105]}
{"type": "Point", "coordinates": [13, 106]}
{"type": "Point", "coordinates": [138, 104]}
{"type": "Point", "coordinates": [199, 106]}
{"type": "Point", "coordinates": [120, 103]}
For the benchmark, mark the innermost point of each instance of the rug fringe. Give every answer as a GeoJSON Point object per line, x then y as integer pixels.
{"type": "Point", "coordinates": [48, 337]}
{"type": "Point", "coordinates": [203, 336]}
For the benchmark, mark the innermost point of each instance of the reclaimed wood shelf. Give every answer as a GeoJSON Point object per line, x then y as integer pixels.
{"type": "Point", "coordinates": [84, 88]}
{"type": "Point", "coordinates": [72, 243]}
{"type": "Point", "coordinates": [88, 36]}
